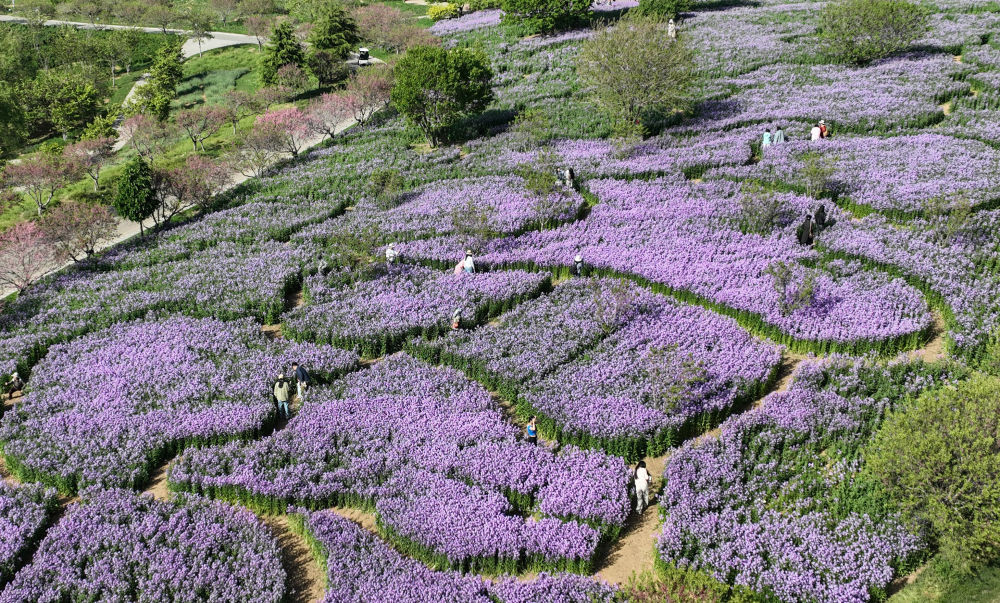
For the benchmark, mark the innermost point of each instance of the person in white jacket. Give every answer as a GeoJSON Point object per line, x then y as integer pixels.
{"type": "Point", "coordinates": [642, 482]}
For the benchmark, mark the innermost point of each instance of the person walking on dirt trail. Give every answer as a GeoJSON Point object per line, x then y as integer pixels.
{"type": "Point", "coordinates": [531, 430]}
{"type": "Point", "coordinates": [302, 380]}
{"type": "Point", "coordinates": [281, 395]}
{"type": "Point", "coordinates": [642, 482]}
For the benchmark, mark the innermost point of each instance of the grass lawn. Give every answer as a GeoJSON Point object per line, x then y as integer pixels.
{"type": "Point", "coordinates": [938, 583]}
{"type": "Point", "coordinates": [209, 76]}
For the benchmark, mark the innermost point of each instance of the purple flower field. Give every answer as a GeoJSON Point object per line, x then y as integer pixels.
{"type": "Point", "coordinates": [481, 429]}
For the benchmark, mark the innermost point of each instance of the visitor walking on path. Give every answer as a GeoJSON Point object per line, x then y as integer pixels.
{"type": "Point", "coordinates": [779, 136]}
{"type": "Point", "coordinates": [642, 482]}
{"type": "Point", "coordinates": [281, 396]}
{"type": "Point", "coordinates": [531, 430]}
{"type": "Point", "coordinates": [766, 142]}
{"type": "Point", "coordinates": [302, 379]}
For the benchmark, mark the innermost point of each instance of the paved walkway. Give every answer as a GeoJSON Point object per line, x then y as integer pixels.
{"type": "Point", "coordinates": [218, 39]}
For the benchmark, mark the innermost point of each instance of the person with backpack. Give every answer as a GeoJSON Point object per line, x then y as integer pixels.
{"type": "Point", "coordinates": [642, 481]}
{"type": "Point", "coordinates": [281, 396]}
{"type": "Point", "coordinates": [302, 380]}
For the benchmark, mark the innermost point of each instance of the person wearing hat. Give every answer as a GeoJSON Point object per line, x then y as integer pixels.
{"type": "Point", "coordinates": [469, 264]}
{"type": "Point", "coordinates": [391, 254]}
{"type": "Point", "coordinates": [823, 132]}
{"type": "Point", "coordinates": [281, 396]}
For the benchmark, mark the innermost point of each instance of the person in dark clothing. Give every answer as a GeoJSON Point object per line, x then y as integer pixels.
{"type": "Point", "coordinates": [820, 218]}
{"type": "Point", "coordinates": [302, 379]}
{"type": "Point", "coordinates": [804, 234]}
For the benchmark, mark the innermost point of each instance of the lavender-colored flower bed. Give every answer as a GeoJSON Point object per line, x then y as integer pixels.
{"type": "Point", "coordinates": [772, 504]}
{"type": "Point", "coordinates": [376, 316]}
{"type": "Point", "coordinates": [118, 546]}
{"type": "Point", "coordinates": [499, 205]}
{"type": "Point", "coordinates": [538, 336]}
{"type": "Point", "coordinates": [741, 39]}
{"type": "Point", "coordinates": [106, 408]}
{"type": "Point", "coordinates": [24, 513]}
{"type": "Point", "coordinates": [469, 22]}
{"type": "Point", "coordinates": [890, 94]}
{"type": "Point", "coordinates": [900, 174]}
{"type": "Point", "coordinates": [662, 155]}
{"type": "Point", "coordinates": [685, 238]}
{"type": "Point", "coordinates": [957, 266]}
{"type": "Point", "coordinates": [673, 371]}
{"type": "Point", "coordinates": [433, 454]}
{"type": "Point", "coordinates": [361, 568]}
{"type": "Point", "coordinates": [952, 31]}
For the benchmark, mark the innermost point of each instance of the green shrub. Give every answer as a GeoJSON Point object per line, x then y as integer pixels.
{"type": "Point", "coordinates": [438, 12]}
{"type": "Point", "coordinates": [668, 9]}
{"type": "Point", "coordinates": [435, 87]}
{"type": "Point", "coordinates": [939, 462]}
{"type": "Point", "coordinates": [483, 4]}
{"type": "Point", "coordinates": [860, 31]}
{"type": "Point", "coordinates": [545, 16]}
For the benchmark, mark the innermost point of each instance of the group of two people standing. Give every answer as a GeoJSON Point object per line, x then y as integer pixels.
{"type": "Point", "coordinates": [282, 389]}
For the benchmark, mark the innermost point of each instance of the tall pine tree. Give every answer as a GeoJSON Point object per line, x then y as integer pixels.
{"type": "Point", "coordinates": [335, 32]}
{"type": "Point", "coordinates": [283, 49]}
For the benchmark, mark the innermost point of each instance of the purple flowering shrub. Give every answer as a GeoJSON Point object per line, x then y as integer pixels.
{"type": "Point", "coordinates": [431, 453]}
{"type": "Point", "coordinates": [898, 92]}
{"type": "Point", "coordinates": [119, 546]}
{"type": "Point", "coordinates": [500, 205]}
{"type": "Point", "coordinates": [361, 568]}
{"type": "Point", "coordinates": [107, 408]}
{"type": "Point", "coordinates": [611, 365]}
{"type": "Point", "coordinates": [469, 22]}
{"type": "Point", "coordinates": [955, 269]}
{"type": "Point", "coordinates": [25, 512]}
{"type": "Point", "coordinates": [538, 336]}
{"type": "Point", "coordinates": [376, 316]}
{"type": "Point", "coordinates": [777, 504]}
{"type": "Point", "coordinates": [684, 239]}
{"type": "Point", "coordinates": [673, 372]}
{"type": "Point", "coordinates": [896, 176]}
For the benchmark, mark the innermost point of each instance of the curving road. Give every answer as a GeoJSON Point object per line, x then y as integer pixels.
{"type": "Point", "coordinates": [217, 39]}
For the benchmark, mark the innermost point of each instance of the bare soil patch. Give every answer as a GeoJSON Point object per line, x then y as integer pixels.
{"type": "Point", "coordinates": [305, 578]}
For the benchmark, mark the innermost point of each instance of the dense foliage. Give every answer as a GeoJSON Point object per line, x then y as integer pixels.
{"type": "Point", "coordinates": [937, 459]}
{"type": "Point", "coordinates": [860, 31]}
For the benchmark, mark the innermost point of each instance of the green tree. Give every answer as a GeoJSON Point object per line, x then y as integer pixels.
{"type": "Point", "coordinates": [860, 31]}
{"type": "Point", "coordinates": [435, 88]}
{"type": "Point", "coordinates": [939, 461]}
{"type": "Point", "coordinates": [335, 32]}
{"type": "Point", "coordinates": [67, 97]}
{"type": "Point", "coordinates": [544, 16]}
{"type": "Point", "coordinates": [638, 73]}
{"type": "Point", "coordinates": [135, 199]}
{"type": "Point", "coordinates": [667, 9]}
{"type": "Point", "coordinates": [12, 121]}
{"type": "Point", "coordinates": [282, 49]}
{"type": "Point", "coordinates": [155, 95]}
